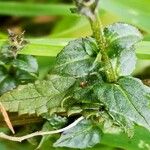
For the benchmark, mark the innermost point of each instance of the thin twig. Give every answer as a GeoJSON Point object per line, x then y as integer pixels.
{"type": "Point", "coordinates": [39, 133]}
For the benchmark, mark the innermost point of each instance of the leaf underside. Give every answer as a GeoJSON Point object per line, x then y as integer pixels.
{"type": "Point", "coordinates": [38, 97]}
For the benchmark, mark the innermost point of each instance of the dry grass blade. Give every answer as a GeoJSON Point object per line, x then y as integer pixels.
{"type": "Point", "coordinates": [6, 118]}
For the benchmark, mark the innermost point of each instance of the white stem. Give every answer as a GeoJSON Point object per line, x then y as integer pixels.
{"type": "Point", "coordinates": [39, 133]}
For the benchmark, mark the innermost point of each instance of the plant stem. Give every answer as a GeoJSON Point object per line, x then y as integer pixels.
{"type": "Point", "coordinates": [89, 9]}
{"type": "Point", "coordinates": [102, 45]}
{"type": "Point", "coordinates": [39, 133]}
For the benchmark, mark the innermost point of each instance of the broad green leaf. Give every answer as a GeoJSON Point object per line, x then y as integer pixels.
{"type": "Point", "coordinates": [76, 59]}
{"type": "Point", "coordinates": [38, 97]}
{"type": "Point", "coordinates": [126, 100]}
{"type": "Point", "coordinates": [83, 135]}
{"type": "Point", "coordinates": [121, 39]}
{"type": "Point", "coordinates": [120, 36]}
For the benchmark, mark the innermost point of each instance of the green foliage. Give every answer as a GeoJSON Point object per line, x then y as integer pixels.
{"type": "Point", "coordinates": [16, 69]}
{"type": "Point", "coordinates": [53, 122]}
{"type": "Point", "coordinates": [76, 58]}
{"type": "Point", "coordinates": [51, 47]}
{"type": "Point", "coordinates": [140, 140]}
{"type": "Point", "coordinates": [118, 39]}
{"type": "Point", "coordinates": [85, 131]}
{"type": "Point", "coordinates": [76, 81]}
{"type": "Point", "coordinates": [121, 39]}
{"type": "Point", "coordinates": [78, 84]}
{"type": "Point", "coordinates": [126, 100]}
{"type": "Point", "coordinates": [39, 97]}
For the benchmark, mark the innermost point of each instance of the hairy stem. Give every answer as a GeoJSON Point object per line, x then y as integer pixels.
{"type": "Point", "coordinates": [102, 45]}
{"type": "Point", "coordinates": [89, 9]}
{"type": "Point", "coordinates": [39, 133]}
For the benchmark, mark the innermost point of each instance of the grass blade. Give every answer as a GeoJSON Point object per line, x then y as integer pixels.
{"type": "Point", "coordinates": [32, 9]}
{"type": "Point", "coordinates": [51, 47]}
{"type": "Point", "coordinates": [131, 11]}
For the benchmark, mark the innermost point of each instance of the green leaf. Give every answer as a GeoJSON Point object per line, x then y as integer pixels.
{"type": "Point", "coordinates": [127, 100]}
{"type": "Point", "coordinates": [126, 62]}
{"type": "Point", "coordinates": [76, 59]}
{"type": "Point", "coordinates": [39, 97]}
{"type": "Point", "coordinates": [83, 135]}
{"type": "Point", "coordinates": [8, 83]}
{"type": "Point", "coordinates": [121, 36]}
{"type": "Point", "coordinates": [3, 72]}
{"type": "Point", "coordinates": [53, 122]}
{"type": "Point", "coordinates": [26, 63]}
{"type": "Point", "coordinates": [121, 39]}
{"type": "Point", "coordinates": [83, 89]}
{"type": "Point", "coordinates": [26, 66]}
{"type": "Point", "coordinates": [140, 140]}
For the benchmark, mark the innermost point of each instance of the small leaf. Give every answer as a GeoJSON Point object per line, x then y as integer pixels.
{"type": "Point", "coordinates": [83, 135]}
{"type": "Point", "coordinates": [38, 97]}
{"type": "Point", "coordinates": [3, 73]}
{"type": "Point", "coordinates": [26, 63]}
{"type": "Point", "coordinates": [121, 39]}
{"type": "Point", "coordinates": [126, 101]}
{"type": "Point", "coordinates": [26, 67]}
{"type": "Point", "coordinates": [76, 58]}
{"type": "Point", "coordinates": [6, 81]}
{"type": "Point", "coordinates": [121, 36]}
{"type": "Point", "coordinates": [7, 84]}
{"type": "Point", "coordinates": [54, 122]}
